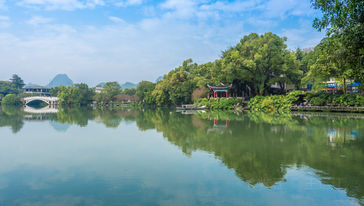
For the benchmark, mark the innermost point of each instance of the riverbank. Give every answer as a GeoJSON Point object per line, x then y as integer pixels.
{"type": "Point", "coordinates": [327, 109]}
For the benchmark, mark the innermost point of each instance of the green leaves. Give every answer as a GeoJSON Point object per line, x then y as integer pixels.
{"type": "Point", "coordinates": [77, 95]}
{"type": "Point", "coordinates": [11, 99]}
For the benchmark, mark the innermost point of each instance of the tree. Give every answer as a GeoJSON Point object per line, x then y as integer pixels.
{"type": "Point", "coordinates": [144, 91]}
{"type": "Point", "coordinates": [177, 86]}
{"type": "Point", "coordinates": [8, 88]}
{"type": "Point", "coordinates": [54, 91]}
{"type": "Point", "coordinates": [109, 91]}
{"type": "Point", "coordinates": [259, 62]}
{"type": "Point", "coordinates": [86, 93]}
{"type": "Point", "coordinates": [344, 22]}
{"type": "Point", "coordinates": [329, 62]}
{"type": "Point", "coordinates": [129, 91]}
{"type": "Point", "coordinates": [11, 99]}
{"type": "Point", "coordinates": [78, 94]}
{"type": "Point", "coordinates": [17, 81]}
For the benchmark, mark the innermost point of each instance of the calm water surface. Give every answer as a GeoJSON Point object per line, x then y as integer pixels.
{"type": "Point", "coordinates": [160, 157]}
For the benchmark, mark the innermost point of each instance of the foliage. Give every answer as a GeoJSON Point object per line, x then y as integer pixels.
{"type": "Point", "coordinates": [177, 86]}
{"type": "Point", "coordinates": [260, 61]}
{"type": "Point", "coordinates": [8, 88]}
{"type": "Point", "coordinates": [78, 94]}
{"type": "Point", "coordinates": [323, 99]}
{"type": "Point", "coordinates": [108, 93]}
{"type": "Point", "coordinates": [125, 98]}
{"type": "Point", "coordinates": [273, 104]}
{"type": "Point", "coordinates": [11, 99]}
{"type": "Point", "coordinates": [54, 91]}
{"type": "Point", "coordinates": [219, 103]}
{"type": "Point", "coordinates": [344, 22]}
{"type": "Point", "coordinates": [129, 91]}
{"type": "Point", "coordinates": [144, 92]}
{"type": "Point", "coordinates": [17, 81]}
{"type": "Point", "coordinates": [252, 66]}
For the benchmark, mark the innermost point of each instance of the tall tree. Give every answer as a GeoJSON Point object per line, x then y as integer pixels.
{"type": "Point", "coordinates": [7, 87]}
{"type": "Point", "coordinates": [17, 81]}
{"type": "Point", "coordinates": [260, 61]}
{"type": "Point", "coordinates": [344, 22]}
{"type": "Point", "coordinates": [144, 91]}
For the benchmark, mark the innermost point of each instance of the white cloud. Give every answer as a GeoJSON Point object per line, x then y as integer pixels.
{"type": "Point", "coordinates": [4, 21]}
{"type": "Point", "coordinates": [38, 20]}
{"type": "Point", "coordinates": [284, 8]}
{"type": "Point", "coordinates": [128, 3]}
{"type": "Point", "coordinates": [61, 4]}
{"type": "Point", "coordinates": [174, 31]}
{"type": "Point", "coordinates": [116, 19]}
{"type": "Point", "coordinates": [235, 6]}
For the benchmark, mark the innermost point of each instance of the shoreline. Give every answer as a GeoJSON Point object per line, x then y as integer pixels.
{"type": "Point", "coordinates": [328, 109]}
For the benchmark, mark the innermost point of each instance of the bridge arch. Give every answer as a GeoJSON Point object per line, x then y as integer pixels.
{"type": "Point", "coordinates": [48, 100]}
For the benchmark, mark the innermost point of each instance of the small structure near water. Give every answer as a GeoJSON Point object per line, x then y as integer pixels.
{"type": "Point", "coordinates": [190, 107]}
{"type": "Point", "coordinates": [219, 91]}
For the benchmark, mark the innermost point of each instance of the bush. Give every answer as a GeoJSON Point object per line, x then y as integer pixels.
{"type": "Point", "coordinates": [322, 99]}
{"type": "Point", "coordinates": [318, 101]}
{"type": "Point", "coordinates": [11, 99]}
{"type": "Point", "coordinates": [276, 103]}
{"type": "Point", "coordinates": [219, 103]}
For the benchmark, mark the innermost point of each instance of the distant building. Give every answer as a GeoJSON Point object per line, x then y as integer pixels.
{"type": "Point", "coordinates": [333, 86]}
{"type": "Point", "coordinates": [38, 90]}
{"type": "Point", "coordinates": [98, 89]}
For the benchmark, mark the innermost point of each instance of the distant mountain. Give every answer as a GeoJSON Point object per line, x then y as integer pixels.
{"type": "Point", "coordinates": [158, 79]}
{"type": "Point", "coordinates": [31, 85]}
{"type": "Point", "coordinates": [128, 85]}
{"type": "Point", "coordinates": [101, 84]}
{"type": "Point", "coordinates": [60, 80]}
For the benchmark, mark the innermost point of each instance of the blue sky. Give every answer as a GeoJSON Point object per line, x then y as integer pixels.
{"type": "Point", "coordinates": [132, 40]}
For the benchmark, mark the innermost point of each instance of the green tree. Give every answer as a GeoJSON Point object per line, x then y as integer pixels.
{"type": "Point", "coordinates": [7, 88]}
{"type": "Point", "coordinates": [260, 61]}
{"type": "Point", "coordinates": [329, 61]}
{"type": "Point", "coordinates": [17, 81]}
{"type": "Point", "coordinates": [54, 91]}
{"type": "Point", "coordinates": [144, 92]}
{"type": "Point", "coordinates": [78, 94]}
{"type": "Point", "coordinates": [86, 93]}
{"type": "Point", "coordinates": [177, 86]}
{"type": "Point", "coordinates": [344, 23]}
{"type": "Point", "coordinates": [109, 91]}
{"type": "Point", "coordinates": [11, 99]}
{"type": "Point", "coordinates": [129, 91]}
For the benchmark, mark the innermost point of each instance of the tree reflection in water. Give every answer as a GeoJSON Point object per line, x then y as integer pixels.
{"type": "Point", "coordinates": [257, 146]}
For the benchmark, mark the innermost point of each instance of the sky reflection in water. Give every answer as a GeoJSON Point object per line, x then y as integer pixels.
{"type": "Point", "coordinates": [92, 157]}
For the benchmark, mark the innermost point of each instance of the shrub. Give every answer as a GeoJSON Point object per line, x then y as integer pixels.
{"type": "Point", "coordinates": [318, 101]}
{"type": "Point", "coordinates": [276, 103]}
{"type": "Point", "coordinates": [219, 103]}
{"type": "Point", "coordinates": [322, 98]}
{"type": "Point", "coordinates": [11, 99]}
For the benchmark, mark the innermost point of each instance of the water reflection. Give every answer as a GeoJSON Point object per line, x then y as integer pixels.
{"type": "Point", "coordinates": [259, 148]}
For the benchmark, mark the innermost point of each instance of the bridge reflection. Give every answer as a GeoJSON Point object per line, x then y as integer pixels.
{"type": "Point", "coordinates": [43, 110]}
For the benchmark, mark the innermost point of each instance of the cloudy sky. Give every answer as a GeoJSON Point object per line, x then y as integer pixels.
{"type": "Point", "coordinates": [132, 40]}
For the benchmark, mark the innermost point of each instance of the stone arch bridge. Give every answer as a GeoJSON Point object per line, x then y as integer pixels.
{"type": "Point", "coordinates": [49, 100]}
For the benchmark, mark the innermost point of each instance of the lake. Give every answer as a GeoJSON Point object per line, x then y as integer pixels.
{"type": "Point", "coordinates": [80, 156]}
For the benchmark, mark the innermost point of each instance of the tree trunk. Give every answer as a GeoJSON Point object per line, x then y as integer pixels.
{"type": "Point", "coordinates": [344, 86]}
